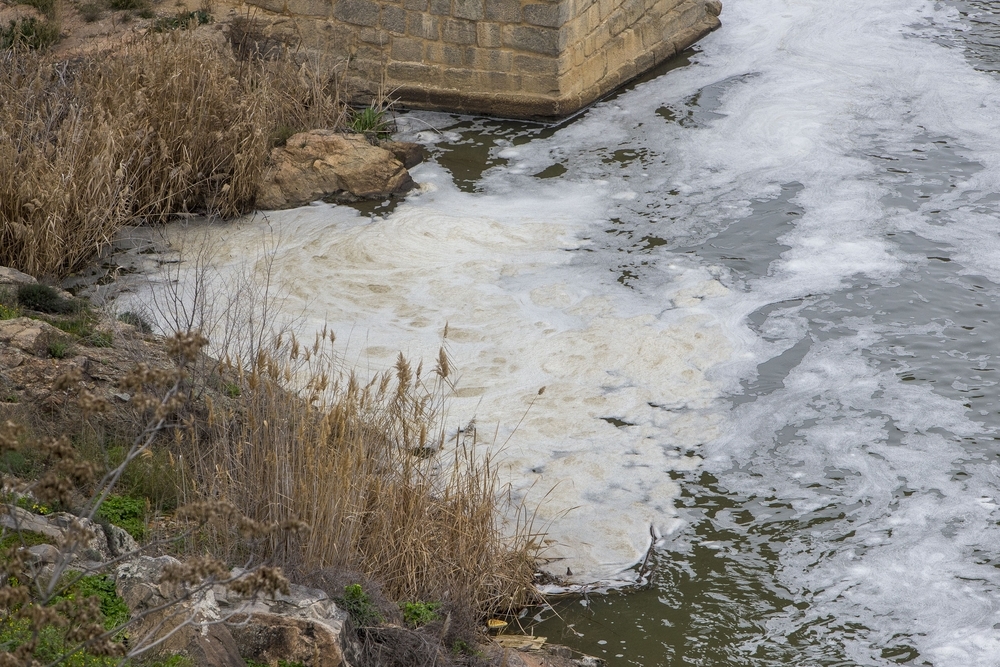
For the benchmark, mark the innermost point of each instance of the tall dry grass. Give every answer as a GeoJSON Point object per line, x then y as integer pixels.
{"type": "Point", "coordinates": [367, 466]}
{"type": "Point", "coordinates": [168, 124]}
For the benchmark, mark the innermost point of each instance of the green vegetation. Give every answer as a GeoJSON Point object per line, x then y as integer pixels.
{"type": "Point", "coordinates": [44, 299]}
{"type": "Point", "coordinates": [8, 312]}
{"type": "Point", "coordinates": [126, 5]}
{"type": "Point", "coordinates": [416, 614]}
{"type": "Point", "coordinates": [28, 33]}
{"type": "Point", "coordinates": [232, 390]}
{"type": "Point", "coordinates": [359, 605]}
{"type": "Point", "coordinates": [113, 609]}
{"type": "Point", "coordinates": [371, 121]}
{"type": "Point", "coordinates": [141, 324]}
{"type": "Point", "coordinates": [126, 512]}
{"type": "Point", "coordinates": [281, 663]}
{"type": "Point", "coordinates": [23, 538]}
{"type": "Point", "coordinates": [58, 349]}
{"type": "Point", "coordinates": [181, 21]}
{"type": "Point", "coordinates": [91, 11]}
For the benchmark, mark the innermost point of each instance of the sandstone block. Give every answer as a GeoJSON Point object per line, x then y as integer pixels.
{"type": "Point", "coordinates": [394, 19]}
{"type": "Point", "coordinates": [488, 35]}
{"type": "Point", "coordinates": [441, 7]}
{"type": "Point", "coordinates": [410, 154]}
{"type": "Point", "coordinates": [505, 11]}
{"type": "Point", "coordinates": [472, 10]}
{"type": "Point", "coordinates": [322, 163]}
{"type": "Point", "coordinates": [548, 15]}
{"type": "Point", "coordinates": [28, 335]}
{"type": "Point", "coordinates": [422, 25]}
{"type": "Point", "coordinates": [532, 38]}
{"type": "Point", "coordinates": [407, 49]}
{"type": "Point", "coordinates": [458, 31]}
{"type": "Point", "coordinates": [357, 12]}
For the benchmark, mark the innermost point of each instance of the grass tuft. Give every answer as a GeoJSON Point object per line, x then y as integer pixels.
{"type": "Point", "coordinates": [28, 33]}
{"type": "Point", "coordinates": [44, 299]}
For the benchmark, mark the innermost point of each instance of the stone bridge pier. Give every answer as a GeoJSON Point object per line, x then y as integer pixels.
{"type": "Point", "coordinates": [513, 58]}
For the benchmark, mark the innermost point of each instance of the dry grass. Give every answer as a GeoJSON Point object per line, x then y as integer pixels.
{"type": "Point", "coordinates": [366, 467]}
{"type": "Point", "coordinates": [169, 124]}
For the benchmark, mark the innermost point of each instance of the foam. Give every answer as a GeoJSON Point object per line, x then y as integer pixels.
{"type": "Point", "coordinates": [811, 93]}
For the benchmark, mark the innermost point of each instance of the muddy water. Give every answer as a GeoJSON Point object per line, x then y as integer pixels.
{"type": "Point", "coordinates": [760, 289]}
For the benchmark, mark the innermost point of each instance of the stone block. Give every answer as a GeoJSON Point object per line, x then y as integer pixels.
{"type": "Point", "coordinates": [505, 11]}
{"type": "Point", "coordinates": [423, 26]}
{"type": "Point", "coordinates": [536, 65]}
{"type": "Point", "coordinates": [488, 35]}
{"type": "Point", "coordinates": [472, 10]}
{"type": "Point", "coordinates": [373, 36]}
{"type": "Point", "coordinates": [493, 60]}
{"type": "Point", "coordinates": [531, 38]}
{"type": "Point", "coordinates": [454, 56]}
{"type": "Point", "coordinates": [426, 75]}
{"type": "Point", "coordinates": [394, 19]}
{"type": "Point", "coordinates": [441, 7]}
{"type": "Point", "coordinates": [357, 12]}
{"type": "Point", "coordinates": [540, 85]}
{"type": "Point", "coordinates": [416, 5]}
{"type": "Point", "coordinates": [545, 14]}
{"type": "Point", "coordinates": [462, 79]}
{"type": "Point", "coordinates": [457, 31]}
{"type": "Point", "coordinates": [407, 49]}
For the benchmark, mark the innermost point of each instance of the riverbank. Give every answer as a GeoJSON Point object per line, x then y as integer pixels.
{"type": "Point", "coordinates": [402, 515]}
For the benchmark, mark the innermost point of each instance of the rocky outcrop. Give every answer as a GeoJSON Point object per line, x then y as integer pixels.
{"type": "Point", "coordinates": [304, 626]}
{"type": "Point", "coordinates": [28, 335]}
{"type": "Point", "coordinates": [324, 164]}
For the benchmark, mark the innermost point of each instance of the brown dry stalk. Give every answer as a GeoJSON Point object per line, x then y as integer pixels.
{"type": "Point", "coordinates": [422, 516]}
{"type": "Point", "coordinates": [168, 124]}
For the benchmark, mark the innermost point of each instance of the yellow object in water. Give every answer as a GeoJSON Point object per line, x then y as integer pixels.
{"type": "Point", "coordinates": [496, 624]}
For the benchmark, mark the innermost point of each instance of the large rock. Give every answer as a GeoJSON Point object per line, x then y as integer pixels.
{"type": "Point", "coordinates": [9, 276]}
{"type": "Point", "coordinates": [28, 335]}
{"type": "Point", "coordinates": [322, 163]}
{"type": "Point", "coordinates": [192, 627]}
{"type": "Point", "coordinates": [304, 626]}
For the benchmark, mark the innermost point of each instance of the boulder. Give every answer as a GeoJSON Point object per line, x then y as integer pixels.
{"type": "Point", "coordinates": [28, 335]}
{"type": "Point", "coordinates": [9, 276]}
{"type": "Point", "coordinates": [407, 152]}
{"type": "Point", "coordinates": [304, 626]}
{"type": "Point", "coordinates": [191, 627]}
{"type": "Point", "coordinates": [322, 163]}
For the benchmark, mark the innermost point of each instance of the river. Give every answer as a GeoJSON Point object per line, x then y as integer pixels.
{"type": "Point", "coordinates": [759, 290]}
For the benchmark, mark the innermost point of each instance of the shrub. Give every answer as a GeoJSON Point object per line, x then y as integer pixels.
{"type": "Point", "coordinates": [371, 121]}
{"type": "Point", "coordinates": [138, 321]}
{"type": "Point", "coordinates": [43, 299]}
{"type": "Point", "coordinates": [58, 349]}
{"type": "Point", "coordinates": [126, 5]}
{"type": "Point", "coordinates": [28, 33]}
{"type": "Point", "coordinates": [91, 11]}
{"type": "Point", "coordinates": [47, 7]}
{"type": "Point", "coordinates": [359, 605]}
{"type": "Point", "coordinates": [182, 20]}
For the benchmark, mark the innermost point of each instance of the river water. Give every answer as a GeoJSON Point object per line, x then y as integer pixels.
{"type": "Point", "coordinates": [759, 290]}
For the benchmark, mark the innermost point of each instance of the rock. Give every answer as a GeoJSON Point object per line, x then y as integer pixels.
{"type": "Point", "coordinates": [191, 627]}
{"type": "Point", "coordinates": [15, 518]}
{"type": "Point", "coordinates": [9, 276]}
{"type": "Point", "coordinates": [304, 626]}
{"type": "Point", "coordinates": [44, 554]}
{"type": "Point", "coordinates": [714, 7]}
{"type": "Point", "coordinates": [407, 152]}
{"type": "Point", "coordinates": [28, 335]}
{"type": "Point", "coordinates": [323, 163]}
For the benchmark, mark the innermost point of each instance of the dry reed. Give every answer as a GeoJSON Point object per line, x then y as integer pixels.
{"type": "Point", "coordinates": [366, 466]}
{"type": "Point", "coordinates": [168, 124]}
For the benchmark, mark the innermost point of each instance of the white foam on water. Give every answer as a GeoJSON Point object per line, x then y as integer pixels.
{"type": "Point", "coordinates": [802, 92]}
{"type": "Point", "coordinates": [499, 272]}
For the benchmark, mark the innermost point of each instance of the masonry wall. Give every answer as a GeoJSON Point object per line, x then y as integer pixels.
{"type": "Point", "coordinates": [518, 58]}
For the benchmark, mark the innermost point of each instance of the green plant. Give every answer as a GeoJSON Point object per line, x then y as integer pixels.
{"type": "Point", "coordinates": [100, 339]}
{"type": "Point", "coordinates": [281, 135]}
{"type": "Point", "coordinates": [420, 613]}
{"type": "Point", "coordinates": [8, 312]}
{"type": "Point", "coordinates": [370, 120]}
{"type": "Point", "coordinates": [27, 503]}
{"type": "Point", "coordinates": [136, 320]}
{"type": "Point", "coordinates": [28, 33]}
{"type": "Point", "coordinates": [113, 609]}
{"type": "Point", "coordinates": [58, 349]}
{"type": "Point", "coordinates": [44, 299]}
{"type": "Point", "coordinates": [181, 20]}
{"type": "Point", "coordinates": [359, 605]}
{"type": "Point", "coordinates": [23, 538]}
{"type": "Point", "coordinates": [125, 512]}
{"type": "Point", "coordinates": [232, 390]}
